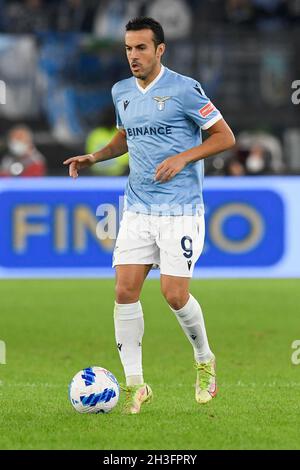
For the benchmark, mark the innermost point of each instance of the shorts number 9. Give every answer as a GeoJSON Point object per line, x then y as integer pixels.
{"type": "Point", "coordinates": [187, 246]}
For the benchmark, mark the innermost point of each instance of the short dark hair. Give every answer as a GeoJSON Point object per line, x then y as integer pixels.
{"type": "Point", "coordinates": [144, 22]}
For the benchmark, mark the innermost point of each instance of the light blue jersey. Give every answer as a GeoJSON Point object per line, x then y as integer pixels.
{"type": "Point", "coordinates": [160, 121]}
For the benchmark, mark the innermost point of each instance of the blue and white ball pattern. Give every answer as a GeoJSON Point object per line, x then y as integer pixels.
{"type": "Point", "coordinates": [94, 390]}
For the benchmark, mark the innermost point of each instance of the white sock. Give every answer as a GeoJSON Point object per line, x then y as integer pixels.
{"type": "Point", "coordinates": [191, 319]}
{"type": "Point", "coordinates": [129, 330]}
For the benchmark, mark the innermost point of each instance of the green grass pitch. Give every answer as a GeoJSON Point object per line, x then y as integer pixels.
{"type": "Point", "coordinates": [54, 328]}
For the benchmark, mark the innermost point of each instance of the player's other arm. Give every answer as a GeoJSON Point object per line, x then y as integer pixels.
{"type": "Point", "coordinates": [220, 138]}
{"type": "Point", "coordinates": [116, 148]}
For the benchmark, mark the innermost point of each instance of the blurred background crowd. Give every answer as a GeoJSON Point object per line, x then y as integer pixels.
{"type": "Point", "coordinates": [59, 59]}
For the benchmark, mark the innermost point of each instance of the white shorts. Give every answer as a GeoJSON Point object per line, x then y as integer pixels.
{"type": "Point", "coordinates": [173, 243]}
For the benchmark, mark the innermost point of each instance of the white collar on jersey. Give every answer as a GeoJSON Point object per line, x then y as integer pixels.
{"type": "Point", "coordinates": [144, 90]}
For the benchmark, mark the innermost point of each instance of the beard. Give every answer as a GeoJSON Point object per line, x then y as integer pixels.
{"type": "Point", "coordinates": [140, 76]}
{"type": "Point", "coordinates": [144, 71]}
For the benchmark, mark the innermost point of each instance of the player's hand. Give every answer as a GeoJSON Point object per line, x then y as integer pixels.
{"type": "Point", "coordinates": [169, 168]}
{"type": "Point", "coordinates": [78, 163]}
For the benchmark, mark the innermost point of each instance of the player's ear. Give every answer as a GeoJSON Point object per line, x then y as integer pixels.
{"type": "Point", "coordinates": [160, 50]}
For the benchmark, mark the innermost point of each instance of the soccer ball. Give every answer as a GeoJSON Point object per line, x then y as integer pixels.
{"type": "Point", "coordinates": [94, 390]}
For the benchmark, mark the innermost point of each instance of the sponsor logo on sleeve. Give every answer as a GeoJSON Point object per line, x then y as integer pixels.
{"type": "Point", "coordinates": [207, 109]}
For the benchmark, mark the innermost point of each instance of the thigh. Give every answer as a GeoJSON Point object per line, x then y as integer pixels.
{"type": "Point", "coordinates": [136, 243]}
{"type": "Point", "coordinates": [181, 243]}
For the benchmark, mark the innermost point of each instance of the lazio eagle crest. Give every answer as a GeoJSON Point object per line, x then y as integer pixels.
{"type": "Point", "coordinates": [161, 101]}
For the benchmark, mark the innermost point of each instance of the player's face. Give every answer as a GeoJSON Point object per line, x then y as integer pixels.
{"type": "Point", "coordinates": [142, 55]}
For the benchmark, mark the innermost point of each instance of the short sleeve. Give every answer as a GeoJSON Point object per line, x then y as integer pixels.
{"type": "Point", "coordinates": [119, 123]}
{"type": "Point", "coordinates": [198, 107]}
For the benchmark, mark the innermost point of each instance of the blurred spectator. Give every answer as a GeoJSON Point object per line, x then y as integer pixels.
{"type": "Point", "coordinates": [112, 16]}
{"type": "Point", "coordinates": [270, 14]}
{"type": "Point", "coordinates": [175, 16]}
{"type": "Point", "coordinates": [255, 154]}
{"type": "Point", "coordinates": [110, 19]}
{"type": "Point", "coordinates": [233, 167]}
{"type": "Point", "coordinates": [261, 153]}
{"type": "Point", "coordinates": [265, 14]}
{"type": "Point", "coordinates": [100, 137]}
{"type": "Point", "coordinates": [28, 16]}
{"type": "Point", "coordinates": [2, 16]}
{"type": "Point", "coordinates": [207, 11]}
{"type": "Point", "coordinates": [22, 158]}
{"type": "Point", "coordinates": [18, 56]}
{"type": "Point", "coordinates": [75, 15]}
{"type": "Point", "coordinates": [239, 11]}
{"type": "Point", "coordinates": [293, 10]}
{"type": "Point", "coordinates": [257, 162]}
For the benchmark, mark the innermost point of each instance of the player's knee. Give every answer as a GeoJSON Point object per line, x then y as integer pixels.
{"type": "Point", "coordinates": [126, 294]}
{"type": "Point", "coordinates": [176, 299]}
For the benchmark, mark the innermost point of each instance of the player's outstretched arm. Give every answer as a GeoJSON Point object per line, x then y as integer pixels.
{"type": "Point", "coordinates": [116, 148]}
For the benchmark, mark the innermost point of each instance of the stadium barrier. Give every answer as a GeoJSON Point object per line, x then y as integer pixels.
{"type": "Point", "coordinates": [57, 227]}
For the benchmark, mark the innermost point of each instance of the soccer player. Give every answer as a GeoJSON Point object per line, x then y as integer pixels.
{"type": "Point", "coordinates": [160, 114]}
